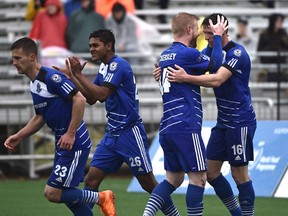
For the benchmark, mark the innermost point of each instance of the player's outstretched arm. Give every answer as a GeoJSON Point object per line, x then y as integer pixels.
{"type": "Point", "coordinates": [91, 91]}
{"type": "Point", "coordinates": [67, 71]}
{"type": "Point", "coordinates": [35, 124]}
{"type": "Point", "coordinates": [206, 80]}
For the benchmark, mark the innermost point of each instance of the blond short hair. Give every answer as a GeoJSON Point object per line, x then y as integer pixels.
{"type": "Point", "coordinates": [181, 21]}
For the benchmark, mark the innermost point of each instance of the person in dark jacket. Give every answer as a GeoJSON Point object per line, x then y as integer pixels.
{"type": "Point", "coordinates": [274, 38]}
{"type": "Point", "coordinates": [80, 24]}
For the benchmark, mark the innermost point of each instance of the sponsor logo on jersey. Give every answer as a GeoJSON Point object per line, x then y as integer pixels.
{"type": "Point", "coordinates": [113, 66]}
{"type": "Point", "coordinates": [40, 105]}
{"type": "Point", "coordinates": [56, 78]}
{"type": "Point", "coordinates": [237, 52]}
{"type": "Point", "coordinates": [140, 169]}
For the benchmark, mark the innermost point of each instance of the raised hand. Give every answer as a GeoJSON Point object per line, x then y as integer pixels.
{"type": "Point", "coordinates": [75, 66]}
{"type": "Point", "coordinates": [66, 70]}
{"type": "Point", "coordinates": [220, 27]}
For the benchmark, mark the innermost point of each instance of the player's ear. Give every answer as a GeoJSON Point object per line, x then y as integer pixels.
{"type": "Point", "coordinates": [109, 46]}
{"type": "Point", "coordinates": [32, 57]}
{"type": "Point", "coordinates": [189, 29]}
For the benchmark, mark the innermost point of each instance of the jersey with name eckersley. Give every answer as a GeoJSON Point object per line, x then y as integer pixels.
{"type": "Point", "coordinates": [182, 105]}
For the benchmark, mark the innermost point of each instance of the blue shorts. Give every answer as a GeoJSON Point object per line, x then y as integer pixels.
{"type": "Point", "coordinates": [68, 168]}
{"type": "Point", "coordinates": [183, 152]}
{"type": "Point", "coordinates": [130, 147]}
{"type": "Point", "coordinates": [232, 145]}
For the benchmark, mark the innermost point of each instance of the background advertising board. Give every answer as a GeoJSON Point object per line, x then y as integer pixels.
{"type": "Point", "coordinates": [268, 171]}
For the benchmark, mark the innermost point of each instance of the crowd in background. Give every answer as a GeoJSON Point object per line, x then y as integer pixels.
{"type": "Point", "coordinates": [67, 25]}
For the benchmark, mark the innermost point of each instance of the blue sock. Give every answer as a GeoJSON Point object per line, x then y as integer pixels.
{"type": "Point", "coordinates": [91, 205]}
{"type": "Point", "coordinates": [246, 198]}
{"type": "Point", "coordinates": [159, 195]}
{"type": "Point", "coordinates": [194, 200]}
{"type": "Point", "coordinates": [224, 192]}
{"type": "Point", "coordinates": [80, 209]}
{"type": "Point", "coordinates": [75, 195]}
{"type": "Point", "coordinates": [169, 208]}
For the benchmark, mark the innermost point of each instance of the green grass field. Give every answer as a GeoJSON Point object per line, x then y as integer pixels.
{"type": "Point", "coordinates": [25, 198]}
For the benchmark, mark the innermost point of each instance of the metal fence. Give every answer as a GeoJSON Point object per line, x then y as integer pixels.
{"type": "Point", "coordinates": [17, 114]}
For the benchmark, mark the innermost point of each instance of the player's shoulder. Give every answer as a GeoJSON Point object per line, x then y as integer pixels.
{"type": "Point", "coordinates": [119, 59]}
{"type": "Point", "coordinates": [184, 52]}
{"type": "Point", "coordinates": [235, 49]}
{"type": "Point", "coordinates": [192, 51]}
{"type": "Point", "coordinates": [50, 74]}
{"type": "Point", "coordinates": [118, 63]}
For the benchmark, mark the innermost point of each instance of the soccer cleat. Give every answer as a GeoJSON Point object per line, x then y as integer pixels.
{"type": "Point", "coordinates": [106, 203]}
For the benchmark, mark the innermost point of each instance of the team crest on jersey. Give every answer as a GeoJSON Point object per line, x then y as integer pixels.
{"type": "Point", "coordinates": [56, 78]}
{"type": "Point", "coordinates": [113, 66]}
{"type": "Point", "coordinates": [237, 52]}
{"type": "Point", "coordinates": [38, 88]}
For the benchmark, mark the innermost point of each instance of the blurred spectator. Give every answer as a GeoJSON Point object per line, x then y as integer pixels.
{"type": "Point", "coordinates": [80, 24]}
{"type": "Point", "coordinates": [274, 38]}
{"type": "Point", "coordinates": [70, 6]}
{"type": "Point", "coordinates": [163, 4]}
{"type": "Point", "coordinates": [124, 29]}
{"type": "Point", "coordinates": [267, 3]}
{"type": "Point", "coordinates": [49, 25]}
{"type": "Point", "coordinates": [244, 37]}
{"type": "Point", "coordinates": [32, 8]}
{"type": "Point", "coordinates": [104, 7]}
{"type": "Point", "coordinates": [201, 43]}
{"type": "Point", "coordinates": [139, 5]}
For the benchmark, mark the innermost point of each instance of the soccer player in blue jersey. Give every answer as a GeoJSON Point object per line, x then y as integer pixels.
{"type": "Point", "coordinates": [181, 124]}
{"type": "Point", "coordinates": [61, 106]}
{"type": "Point", "coordinates": [125, 140]}
{"type": "Point", "coordinates": [232, 138]}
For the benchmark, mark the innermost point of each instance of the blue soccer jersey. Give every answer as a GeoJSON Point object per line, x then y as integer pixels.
{"type": "Point", "coordinates": [182, 106]}
{"type": "Point", "coordinates": [122, 105]}
{"type": "Point", "coordinates": [233, 96]}
{"type": "Point", "coordinates": [125, 139]}
{"type": "Point", "coordinates": [52, 94]}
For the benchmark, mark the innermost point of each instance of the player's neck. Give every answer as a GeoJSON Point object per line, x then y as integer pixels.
{"type": "Point", "coordinates": [225, 40]}
{"type": "Point", "coordinates": [106, 59]}
{"type": "Point", "coordinates": [33, 72]}
{"type": "Point", "coordinates": [182, 40]}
